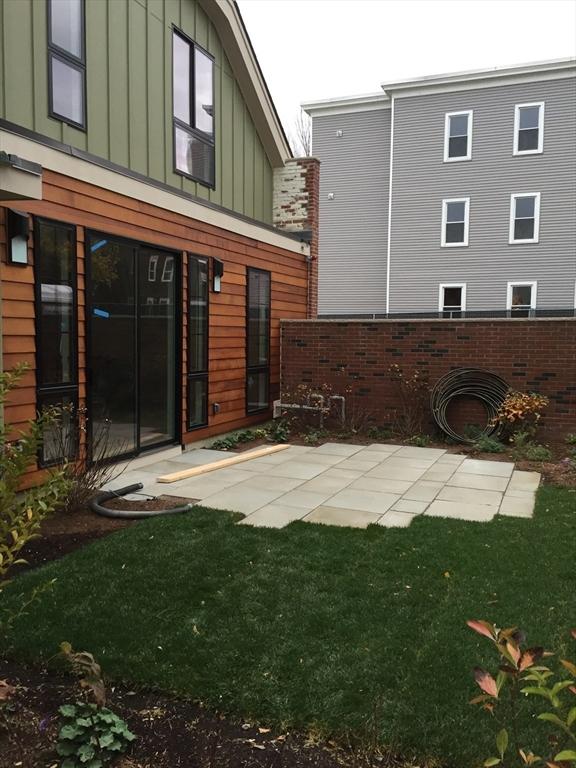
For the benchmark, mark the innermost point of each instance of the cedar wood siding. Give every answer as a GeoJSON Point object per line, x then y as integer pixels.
{"type": "Point", "coordinates": [129, 95]}
{"type": "Point", "coordinates": [421, 180]}
{"type": "Point", "coordinates": [354, 225]}
{"type": "Point", "coordinates": [91, 207]}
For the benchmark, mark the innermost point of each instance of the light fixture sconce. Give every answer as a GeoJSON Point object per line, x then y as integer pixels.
{"type": "Point", "coordinates": [217, 273]}
{"type": "Point", "coordinates": [18, 233]}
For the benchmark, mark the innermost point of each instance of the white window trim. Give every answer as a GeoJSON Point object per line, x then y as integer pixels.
{"type": "Point", "coordinates": [532, 283]}
{"type": "Point", "coordinates": [466, 201]}
{"type": "Point", "coordinates": [513, 197]}
{"type": "Point", "coordinates": [441, 288]}
{"type": "Point", "coordinates": [468, 155]}
{"type": "Point", "coordinates": [540, 148]}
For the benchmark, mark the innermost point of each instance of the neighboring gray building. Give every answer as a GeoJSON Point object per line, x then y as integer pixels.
{"type": "Point", "coordinates": [449, 194]}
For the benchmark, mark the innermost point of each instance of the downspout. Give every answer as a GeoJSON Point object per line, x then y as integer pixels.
{"type": "Point", "coordinates": [390, 207]}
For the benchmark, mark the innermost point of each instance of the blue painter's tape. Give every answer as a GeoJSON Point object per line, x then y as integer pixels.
{"type": "Point", "coordinates": [98, 245]}
{"type": "Point", "coordinates": [101, 313]}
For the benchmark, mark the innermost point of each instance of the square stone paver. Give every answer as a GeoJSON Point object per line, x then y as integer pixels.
{"type": "Point", "coordinates": [481, 467]}
{"type": "Point", "coordinates": [410, 506]}
{"type": "Point", "coordinates": [409, 461]}
{"type": "Point", "coordinates": [456, 510]}
{"type": "Point", "coordinates": [383, 447]}
{"type": "Point", "coordinates": [200, 456]}
{"type": "Point", "coordinates": [420, 453]}
{"type": "Point", "coordinates": [514, 507]}
{"type": "Point", "coordinates": [328, 459]}
{"type": "Point", "coordinates": [439, 474]}
{"type": "Point", "coordinates": [451, 458]}
{"type": "Point", "coordinates": [423, 490]}
{"type": "Point", "coordinates": [308, 500]}
{"type": "Point", "coordinates": [270, 483]}
{"type": "Point", "coordinates": [481, 482]}
{"type": "Point", "coordinates": [273, 516]}
{"type": "Point", "coordinates": [338, 449]}
{"type": "Point", "coordinates": [512, 493]}
{"type": "Point", "coordinates": [372, 455]}
{"type": "Point", "coordinates": [367, 501]}
{"type": "Point", "coordinates": [382, 484]}
{"type": "Point", "coordinates": [470, 495]}
{"type": "Point", "coordinates": [352, 518]}
{"type": "Point", "coordinates": [393, 472]}
{"type": "Point", "coordinates": [297, 469]}
{"type": "Point", "coordinates": [354, 463]}
{"type": "Point", "coordinates": [524, 481]}
{"type": "Point", "coordinates": [394, 519]}
{"type": "Point", "coordinates": [249, 500]}
{"type": "Point", "coordinates": [206, 485]}
{"type": "Point", "coordinates": [329, 482]}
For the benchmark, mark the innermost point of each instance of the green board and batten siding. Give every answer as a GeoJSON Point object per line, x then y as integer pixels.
{"type": "Point", "coordinates": [129, 94]}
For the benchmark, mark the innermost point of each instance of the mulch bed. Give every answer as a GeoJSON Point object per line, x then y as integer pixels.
{"type": "Point", "coordinates": [171, 733]}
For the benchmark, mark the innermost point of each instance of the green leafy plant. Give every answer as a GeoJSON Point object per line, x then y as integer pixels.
{"type": "Point", "coordinates": [523, 447]}
{"type": "Point", "coordinates": [421, 441]}
{"type": "Point", "coordinates": [487, 444]}
{"type": "Point", "coordinates": [314, 436]}
{"type": "Point", "coordinates": [278, 431]}
{"type": "Point", "coordinates": [379, 433]}
{"type": "Point", "coordinates": [21, 513]}
{"type": "Point", "coordinates": [90, 734]}
{"type": "Point", "coordinates": [522, 680]}
{"type": "Point", "coordinates": [412, 390]}
{"type": "Point", "coordinates": [233, 440]}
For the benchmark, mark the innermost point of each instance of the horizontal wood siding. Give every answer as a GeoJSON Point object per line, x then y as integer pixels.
{"type": "Point", "coordinates": [89, 207]}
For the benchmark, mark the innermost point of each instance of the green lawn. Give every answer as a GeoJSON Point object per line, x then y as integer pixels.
{"type": "Point", "coordinates": [307, 626]}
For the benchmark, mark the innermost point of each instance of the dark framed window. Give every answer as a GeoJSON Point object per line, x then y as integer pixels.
{"type": "Point", "coordinates": [257, 340]}
{"type": "Point", "coordinates": [67, 61]}
{"type": "Point", "coordinates": [198, 292]}
{"type": "Point", "coordinates": [193, 110]}
{"type": "Point", "coordinates": [56, 334]}
{"type": "Point", "coordinates": [452, 300]}
{"type": "Point", "coordinates": [521, 299]}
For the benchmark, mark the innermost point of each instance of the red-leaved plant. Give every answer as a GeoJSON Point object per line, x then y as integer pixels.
{"type": "Point", "coordinates": [521, 675]}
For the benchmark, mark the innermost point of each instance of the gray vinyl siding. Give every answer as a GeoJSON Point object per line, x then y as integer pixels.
{"type": "Point", "coordinates": [354, 225]}
{"type": "Point", "coordinates": [421, 180]}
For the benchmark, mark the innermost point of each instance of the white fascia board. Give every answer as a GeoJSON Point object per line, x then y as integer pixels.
{"type": "Point", "coordinates": [347, 104]}
{"type": "Point", "coordinates": [483, 78]}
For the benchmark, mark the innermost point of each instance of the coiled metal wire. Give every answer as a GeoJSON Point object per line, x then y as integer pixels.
{"type": "Point", "coordinates": [474, 383]}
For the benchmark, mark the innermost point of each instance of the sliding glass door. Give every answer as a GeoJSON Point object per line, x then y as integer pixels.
{"type": "Point", "coordinates": [131, 297]}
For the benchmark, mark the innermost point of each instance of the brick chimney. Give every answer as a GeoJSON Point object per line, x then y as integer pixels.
{"type": "Point", "coordinates": [296, 209]}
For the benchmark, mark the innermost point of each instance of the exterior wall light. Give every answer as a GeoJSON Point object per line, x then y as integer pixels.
{"type": "Point", "coordinates": [18, 233]}
{"type": "Point", "coordinates": [217, 273]}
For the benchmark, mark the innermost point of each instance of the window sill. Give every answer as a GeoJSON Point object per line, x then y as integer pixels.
{"type": "Point", "coordinates": [522, 242]}
{"type": "Point", "coordinates": [457, 159]}
{"type": "Point", "coordinates": [454, 245]}
{"type": "Point", "coordinates": [528, 152]}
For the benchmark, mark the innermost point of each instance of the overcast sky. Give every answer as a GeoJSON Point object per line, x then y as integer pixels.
{"type": "Point", "coordinates": [315, 49]}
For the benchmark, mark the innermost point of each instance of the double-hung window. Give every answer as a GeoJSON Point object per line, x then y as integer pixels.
{"type": "Point", "coordinates": [193, 110]}
{"type": "Point", "coordinates": [258, 341]}
{"type": "Point", "coordinates": [455, 217]}
{"type": "Point", "coordinates": [458, 136]}
{"type": "Point", "coordinates": [67, 61]}
{"type": "Point", "coordinates": [198, 270]}
{"type": "Point", "coordinates": [521, 299]}
{"type": "Point", "coordinates": [56, 335]}
{"type": "Point", "coordinates": [452, 299]}
{"type": "Point", "coordinates": [524, 218]}
{"type": "Point", "coordinates": [529, 128]}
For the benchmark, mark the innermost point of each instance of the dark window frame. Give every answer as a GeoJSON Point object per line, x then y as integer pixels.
{"type": "Point", "coordinates": [258, 368]}
{"type": "Point", "coordinates": [192, 376]}
{"type": "Point", "coordinates": [76, 62]}
{"type": "Point", "coordinates": [52, 389]}
{"type": "Point", "coordinates": [190, 128]}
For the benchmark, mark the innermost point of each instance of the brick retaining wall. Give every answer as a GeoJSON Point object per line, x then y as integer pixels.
{"type": "Point", "coordinates": [531, 355]}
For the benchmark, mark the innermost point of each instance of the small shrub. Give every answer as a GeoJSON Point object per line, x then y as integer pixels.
{"type": "Point", "coordinates": [571, 439]}
{"type": "Point", "coordinates": [278, 431]}
{"type": "Point", "coordinates": [90, 736]}
{"type": "Point", "coordinates": [421, 441]}
{"type": "Point", "coordinates": [520, 671]}
{"type": "Point", "coordinates": [524, 448]}
{"type": "Point", "coordinates": [472, 432]}
{"type": "Point", "coordinates": [413, 392]}
{"type": "Point", "coordinates": [21, 513]}
{"type": "Point", "coordinates": [314, 436]}
{"type": "Point", "coordinates": [487, 444]}
{"type": "Point", "coordinates": [379, 433]}
{"type": "Point", "coordinates": [521, 412]}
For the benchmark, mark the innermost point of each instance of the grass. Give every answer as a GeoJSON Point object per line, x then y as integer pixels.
{"type": "Point", "coordinates": [308, 626]}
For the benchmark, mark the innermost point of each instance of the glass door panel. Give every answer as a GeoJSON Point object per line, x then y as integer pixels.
{"type": "Point", "coordinates": [112, 347]}
{"type": "Point", "coordinates": [157, 336]}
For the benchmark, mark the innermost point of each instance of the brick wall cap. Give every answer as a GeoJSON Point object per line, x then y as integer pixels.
{"type": "Point", "coordinates": [442, 320]}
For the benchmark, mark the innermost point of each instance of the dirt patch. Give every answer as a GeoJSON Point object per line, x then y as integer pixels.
{"type": "Point", "coordinates": [156, 504]}
{"type": "Point", "coordinates": [171, 733]}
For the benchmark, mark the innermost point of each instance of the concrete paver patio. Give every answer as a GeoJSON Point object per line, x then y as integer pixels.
{"type": "Point", "coordinates": [348, 485]}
